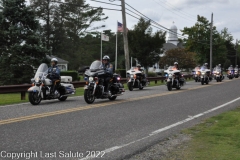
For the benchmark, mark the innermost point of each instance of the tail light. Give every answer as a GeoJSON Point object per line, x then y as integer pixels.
{"type": "Point", "coordinates": [96, 78]}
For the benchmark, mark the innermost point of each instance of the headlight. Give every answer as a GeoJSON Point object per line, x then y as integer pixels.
{"type": "Point", "coordinates": [90, 79]}
{"type": "Point", "coordinates": [37, 80]}
{"type": "Point", "coordinates": [170, 75]}
{"type": "Point", "coordinates": [131, 75]}
{"type": "Point", "coordinates": [203, 73]}
{"type": "Point", "coordinates": [217, 72]}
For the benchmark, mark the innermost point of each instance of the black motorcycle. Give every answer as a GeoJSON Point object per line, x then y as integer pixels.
{"type": "Point", "coordinates": [94, 87]}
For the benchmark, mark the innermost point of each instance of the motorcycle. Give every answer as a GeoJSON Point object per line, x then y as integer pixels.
{"type": "Point", "coordinates": [196, 74]}
{"type": "Point", "coordinates": [174, 79]}
{"type": "Point", "coordinates": [42, 85]}
{"type": "Point", "coordinates": [135, 79]}
{"type": "Point", "coordinates": [218, 75]}
{"type": "Point", "coordinates": [230, 74]}
{"type": "Point", "coordinates": [236, 73]}
{"type": "Point", "coordinates": [205, 75]}
{"type": "Point", "coordinates": [94, 87]}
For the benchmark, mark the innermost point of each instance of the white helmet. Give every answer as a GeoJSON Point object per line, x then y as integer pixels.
{"type": "Point", "coordinates": [138, 65]}
{"type": "Point", "coordinates": [106, 57]}
{"type": "Point", "coordinates": [175, 63]}
{"type": "Point", "coordinates": [54, 60]}
{"type": "Point", "coordinates": [205, 64]}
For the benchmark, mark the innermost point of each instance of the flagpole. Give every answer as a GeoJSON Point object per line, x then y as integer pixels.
{"type": "Point", "coordinates": [101, 47]}
{"type": "Point", "coordinates": [116, 49]}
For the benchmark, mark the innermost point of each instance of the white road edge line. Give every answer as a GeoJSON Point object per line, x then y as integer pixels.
{"type": "Point", "coordinates": [167, 127]}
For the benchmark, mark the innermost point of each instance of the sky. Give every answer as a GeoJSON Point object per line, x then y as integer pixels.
{"type": "Point", "coordinates": [182, 12]}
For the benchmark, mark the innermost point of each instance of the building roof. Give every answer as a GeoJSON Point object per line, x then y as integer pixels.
{"type": "Point", "coordinates": [59, 59]}
{"type": "Point", "coordinates": [168, 46]}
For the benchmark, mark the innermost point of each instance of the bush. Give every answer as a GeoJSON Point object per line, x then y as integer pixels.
{"type": "Point", "coordinates": [152, 74]}
{"type": "Point", "coordinates": [73, 74]}
{"type": "Point", "coordinates": [122, 72]}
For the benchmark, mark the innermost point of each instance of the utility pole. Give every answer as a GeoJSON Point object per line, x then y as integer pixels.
{"type": "Point", "coordinates": [211, 43]}
{"type": "Point", "coordinates": [236, 52]}
{"type": "Point", "coordinates": [125, 38]}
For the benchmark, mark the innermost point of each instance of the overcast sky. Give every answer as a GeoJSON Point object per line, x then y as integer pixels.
{"type": "Point", "coordinates": [183, 12]}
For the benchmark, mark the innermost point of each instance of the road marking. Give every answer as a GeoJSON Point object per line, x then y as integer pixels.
{"type": "Point", "coordinates": [53, 113]}
{"type": "Point", "coordinates": [168, 127]}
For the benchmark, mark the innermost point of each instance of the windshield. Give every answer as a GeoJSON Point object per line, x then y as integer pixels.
{"type": "Point", "coordinates": [42, 70]}
{"type": "Point", "coordinates": [203, 67]}
{"type": "Point", "coordinates": [197, 68]}
{"type": "Point", "coordinates": [172, 68]}
{"type": "Point", "coordinates": [230, 68]}
{"type": "Point", "coordinates": [96, 65]}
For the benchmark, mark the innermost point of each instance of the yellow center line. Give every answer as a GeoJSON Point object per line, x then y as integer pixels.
{"type": "Point", "coordinates": [48, 114]}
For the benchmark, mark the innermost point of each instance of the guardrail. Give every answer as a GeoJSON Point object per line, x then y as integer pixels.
{"type": "Point", "coordinates": [24, 87]}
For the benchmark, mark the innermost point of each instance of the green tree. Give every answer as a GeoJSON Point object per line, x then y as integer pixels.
{"type": "Point", "coordinates": [198, 41]}
{"type": "Point", "coordinates": [20, 46]}
{"type": "Point", "coordinates": [144, 44]}
{"type": "Point", "coordinates": [184, 58]}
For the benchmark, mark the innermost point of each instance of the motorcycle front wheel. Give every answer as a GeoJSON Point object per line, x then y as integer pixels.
{"type": "Point", "coordinates": [34, 99]}
{"type": "Point", "coordinates": [88, 97]}
{"type": "Point", "coordinates": [169, 86]}
{"type": "Point", "coordinates": [130, 86]}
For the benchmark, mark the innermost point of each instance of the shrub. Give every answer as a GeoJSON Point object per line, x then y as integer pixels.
{"type": "Point", "coordinates": [73, 74]}
{"type": "Point", "coordinates": [152, 74]}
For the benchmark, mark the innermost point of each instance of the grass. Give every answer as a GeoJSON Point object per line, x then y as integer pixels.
{"type": "Point", "coordinates": [216, 138]}
{"type": "Point", "coordinates": [13, 98]}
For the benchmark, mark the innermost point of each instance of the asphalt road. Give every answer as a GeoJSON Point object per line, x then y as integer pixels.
{"type": "Point", "coordinates": [109, 129]}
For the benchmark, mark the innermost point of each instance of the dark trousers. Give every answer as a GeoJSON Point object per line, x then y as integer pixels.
{"type": "Point", "coordinates": [106, 83]}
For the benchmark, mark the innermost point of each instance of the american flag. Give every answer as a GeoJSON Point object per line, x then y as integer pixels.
{"type": "Point", "coordinates": [120, 27]}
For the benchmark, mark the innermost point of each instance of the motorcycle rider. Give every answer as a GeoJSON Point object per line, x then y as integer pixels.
{"type": "Point", "coordinates": [54, 74]}
{"type": "Point", "coordinates": [108, 67]}
{"type": "Point", "coordinates": [143, 75]}
{"type": "Point", "coordinates": [178, 75]}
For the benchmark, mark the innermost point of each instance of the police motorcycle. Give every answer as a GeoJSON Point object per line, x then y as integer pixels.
{"type": "Point", "coordinates": [236, 72]}
{"type": "Point", "coordinates": [42, 85]}
{"type": "Point", "coordinates": [230, 73]}
{"type": "Point", "coordinates": [174, 79]}
{"type": "Point", "coordinates": [197, 74]}
{"type": "Point", "coordinates": [218, 76]}
{"type": "Point", "coordinates": [205, 75]}
{"type": "Point", "coordinates": [94, 88]}
{"type": "Point", "coordinates": [135, 79]}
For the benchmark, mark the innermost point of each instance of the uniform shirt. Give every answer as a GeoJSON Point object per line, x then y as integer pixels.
{"type": "Point", "coordinates": [108, 67]}
{"type": "Point", "coordinates": [55, 71]}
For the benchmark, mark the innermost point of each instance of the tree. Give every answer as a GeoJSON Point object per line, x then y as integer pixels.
{"type": "Point", "coordinates": [184, 58]}
{"type": "Point", "coordinates": [20, 46]}
{"type": "Point", "coordinates": [198, 41]}
{"type": "Point", "coordinates": [65, 23]}
{"type": "Point", "coordinates": [144, 44]}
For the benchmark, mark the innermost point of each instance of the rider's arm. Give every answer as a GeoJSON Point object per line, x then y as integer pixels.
{"type": "Point", "coordinates": [110, 69]}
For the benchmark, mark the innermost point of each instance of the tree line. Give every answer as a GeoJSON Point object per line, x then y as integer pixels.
{"type": "Point", "coordinates": [61, 27]}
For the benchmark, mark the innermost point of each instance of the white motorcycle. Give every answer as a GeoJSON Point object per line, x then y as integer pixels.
{"type": "Point", "coordinates": [174, 79]}
{"type": "Point", "coordinates": [236, 73]}
{"type": "Point", "coordinates": [205, 75]}
{"type": "Point", "coordinates": [41, 87]}
{"type": "Point", "coordinates": [136, 79]}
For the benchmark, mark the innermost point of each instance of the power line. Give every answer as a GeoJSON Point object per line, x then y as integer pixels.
{"type": "Point", "coordinates": [178, 10]}
{"type": "Point", "coordinates": [105, 3]}
{"type": "Point", "coordinates": [173, 11]}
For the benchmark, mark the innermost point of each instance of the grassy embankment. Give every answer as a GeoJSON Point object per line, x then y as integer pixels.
{"type": "Point", "coordinates": [216, 138]}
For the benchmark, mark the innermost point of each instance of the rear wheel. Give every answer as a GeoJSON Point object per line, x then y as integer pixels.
{"type": "Point", "coordinates": [34, 99]}
{"type": "Point", "coordinates": [88, 97]}
{"type": "Point", "coordinates": [202, 82]}
{"type": "Point", "coordinates": [112, 98]}
{"type": "Point", "coordinates": [130, 86]}
{"type": "Point", "coordinates": [207, 82]}
{"type": "Point", "coordinates": [141, 86]}
{"type": "Point", "coordinates": [62, 98]}
{"type": "Point", "coordinates": [169, 86]}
